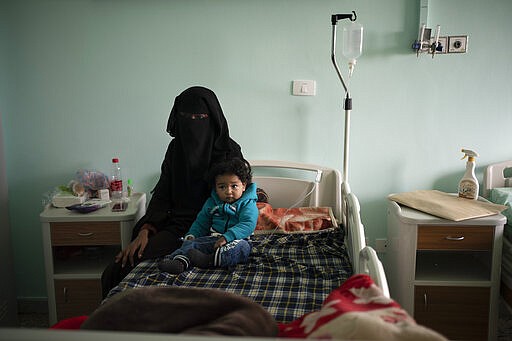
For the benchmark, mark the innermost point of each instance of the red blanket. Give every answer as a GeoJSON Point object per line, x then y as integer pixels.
{"type": "Point", "coordinates": [357, 310]}
{"type": "Point", "coordinates": [298, 219]}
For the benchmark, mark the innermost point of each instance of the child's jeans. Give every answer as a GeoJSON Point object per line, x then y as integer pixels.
{"type": "Point", "coordinates": [228, 255]}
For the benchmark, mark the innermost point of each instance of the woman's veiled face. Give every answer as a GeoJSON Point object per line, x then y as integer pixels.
{"type": "Point", "coordinates": [192, 106]}
{"type": "Point", "coordinates": [193, 125]}
{"type": "Point", "coordinates": [196, 135]}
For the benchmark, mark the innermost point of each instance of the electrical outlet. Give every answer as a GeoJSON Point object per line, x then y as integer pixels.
{"type": "Point", "coordinates": [457, 44]}
{"type": "Point", "coordinates": [381, 245]}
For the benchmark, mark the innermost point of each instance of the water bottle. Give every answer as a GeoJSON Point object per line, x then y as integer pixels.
{"type": "Point", "coordinates": [116, 181]}
{"type": "Point", "coordinates": [352, 43]}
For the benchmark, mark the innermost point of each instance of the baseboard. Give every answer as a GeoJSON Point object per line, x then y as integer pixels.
{"type": "Point", "coordinates": [33, 305]}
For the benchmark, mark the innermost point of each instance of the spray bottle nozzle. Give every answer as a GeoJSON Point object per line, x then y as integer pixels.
{"type": "Point", "coordinates": [469, 153]}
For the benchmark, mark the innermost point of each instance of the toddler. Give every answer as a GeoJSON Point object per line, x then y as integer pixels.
{"type": "Point", "coordinates": [219, 237]}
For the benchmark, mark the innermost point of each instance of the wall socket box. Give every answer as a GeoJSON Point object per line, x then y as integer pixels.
{"type": "Point", "coordinates": [457, 44]}
{"type": "Point", "coordinates": [449, 44]}
{"type": "Point", "coordinates": [381, 245]}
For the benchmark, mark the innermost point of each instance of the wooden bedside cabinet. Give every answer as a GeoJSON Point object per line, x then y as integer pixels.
{"type": "Point", "coordinates": [446, 274]}
{"type": "Point", "coordinates": [77, 248]}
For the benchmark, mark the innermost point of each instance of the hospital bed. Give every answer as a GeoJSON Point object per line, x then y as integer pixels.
{"type": "Point", "coordinates": [308, 241]}
{"type": "Point", "coordinates": [498, 189]}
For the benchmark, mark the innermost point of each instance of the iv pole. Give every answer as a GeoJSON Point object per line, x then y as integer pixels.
{"type": "Point", "coordinates": [348, 101]}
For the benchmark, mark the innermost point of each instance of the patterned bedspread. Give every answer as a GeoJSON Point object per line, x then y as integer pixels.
{"type": "Point", "coordinates": [288, 274]}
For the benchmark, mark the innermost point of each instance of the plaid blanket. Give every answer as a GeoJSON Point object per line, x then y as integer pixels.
{"type": "Point", "coordinates": [289, 275]}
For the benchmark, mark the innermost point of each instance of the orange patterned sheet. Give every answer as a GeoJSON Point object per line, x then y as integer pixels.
{"type": "Point", "coordinates": [290, 220]}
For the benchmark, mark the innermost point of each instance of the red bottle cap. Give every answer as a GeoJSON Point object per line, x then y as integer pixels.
{"type": "Point", "coordinates": [115, 160]}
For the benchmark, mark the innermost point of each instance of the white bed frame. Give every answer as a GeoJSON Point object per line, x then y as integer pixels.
{"type": "Point", "coordinates": [323, 187]}
{"type": "Point", "coordinates": [494, 176]}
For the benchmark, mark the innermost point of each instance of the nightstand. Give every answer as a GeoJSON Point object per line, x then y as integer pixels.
{"type": "Point", "coordinates": [77, 248]}
{"type": "Point", "coordinates": [445, 273]}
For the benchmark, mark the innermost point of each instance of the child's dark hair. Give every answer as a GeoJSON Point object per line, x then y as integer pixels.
{"type": "Point", "coordinates": [236, 166]}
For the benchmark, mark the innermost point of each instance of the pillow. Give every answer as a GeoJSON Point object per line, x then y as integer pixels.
{"type": "Point", "coordinates": [293, 220]}
{"type": "Point", "coordinates": [358, 310]}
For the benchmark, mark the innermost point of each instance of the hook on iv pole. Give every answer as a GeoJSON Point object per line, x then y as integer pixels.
{"type": "Point", "coordinates": [334, 20]}
{"type": "Point", "coordinates": [336, 17]}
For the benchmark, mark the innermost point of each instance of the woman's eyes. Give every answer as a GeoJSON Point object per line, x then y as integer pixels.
{"type": "Point", "coordinates": [199, 116]}
{"type": "Point", "coordinates": [194, 116]}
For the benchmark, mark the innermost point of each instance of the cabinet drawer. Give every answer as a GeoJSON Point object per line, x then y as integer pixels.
{"type": "Point", "coordinates": [85, 233]}
{"type": "Point", "coordinates": [455, 237]}
{"type": "Point", "coordinates": [459, 313]}
{"type": "Point", "coordinates": [77, 297]}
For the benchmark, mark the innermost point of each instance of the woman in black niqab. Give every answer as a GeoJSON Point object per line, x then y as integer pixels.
{"type": "Point", "coordinates": [200, 139]}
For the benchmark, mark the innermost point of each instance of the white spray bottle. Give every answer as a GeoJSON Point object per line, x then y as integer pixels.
{"type": "Point", "coordinates": [468, 185]}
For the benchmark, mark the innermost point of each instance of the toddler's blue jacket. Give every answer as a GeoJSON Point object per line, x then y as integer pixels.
{"type": "Point", "coordinates": [233, 221]}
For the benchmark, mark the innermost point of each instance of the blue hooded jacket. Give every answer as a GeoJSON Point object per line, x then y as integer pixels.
{"type": "Point", "coordinates": [233, 221]}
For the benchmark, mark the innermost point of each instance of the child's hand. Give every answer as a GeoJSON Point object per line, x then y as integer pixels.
{"type": "Point", "coordinates": [220, 242]}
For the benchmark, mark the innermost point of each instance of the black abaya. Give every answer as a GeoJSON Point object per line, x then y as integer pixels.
{"type": "Point", "coordinates": [200, 139]}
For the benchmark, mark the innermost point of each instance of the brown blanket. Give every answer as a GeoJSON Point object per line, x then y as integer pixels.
{"type": "Point", "coordinates": [195, 311]}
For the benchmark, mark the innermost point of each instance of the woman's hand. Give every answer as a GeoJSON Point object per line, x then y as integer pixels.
{"type": "Point", "coordinates": [220, 242]}
{"type": "Point", "coordinates": [138, 243]}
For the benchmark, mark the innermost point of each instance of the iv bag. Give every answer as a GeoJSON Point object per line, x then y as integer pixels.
{"type": "Point", "coordinates": [352, 40]}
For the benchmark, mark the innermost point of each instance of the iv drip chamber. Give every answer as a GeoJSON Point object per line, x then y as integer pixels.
{"type": "Point", "coordinates": [352, 43]}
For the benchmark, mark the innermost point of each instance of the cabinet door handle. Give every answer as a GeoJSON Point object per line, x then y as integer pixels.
{"type": "Point", "coordinates": [85, 234]}
{"type": "Point", "coordinates": [65, 294]}
{"type": "Point", "coordinates": [455, 238]}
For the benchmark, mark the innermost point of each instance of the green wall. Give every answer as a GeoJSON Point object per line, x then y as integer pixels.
{"type": "Point", "coordinates": [85, 80]}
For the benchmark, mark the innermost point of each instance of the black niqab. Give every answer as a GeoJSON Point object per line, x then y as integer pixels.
{"type": "Point", "coordinates": [201, 138]}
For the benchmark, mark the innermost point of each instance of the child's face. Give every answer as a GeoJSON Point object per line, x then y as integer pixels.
{"type": "Point", "coordinates": [229, 188]}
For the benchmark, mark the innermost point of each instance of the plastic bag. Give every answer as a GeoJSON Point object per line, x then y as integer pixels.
{"type": "Point", "coordinates": [92, 180]}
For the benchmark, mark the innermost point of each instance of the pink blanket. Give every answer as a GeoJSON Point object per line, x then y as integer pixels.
{"type": "Point", "coordinates": [299, 219]}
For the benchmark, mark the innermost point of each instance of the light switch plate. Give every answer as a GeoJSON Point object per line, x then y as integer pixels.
{"type": "Point", "coordinates": [457, 44]}
{"type": "Point", "coordinates": [304, 88]}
